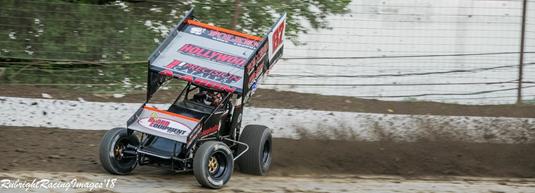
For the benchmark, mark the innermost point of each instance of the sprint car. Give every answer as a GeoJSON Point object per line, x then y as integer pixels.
{"type": "Point", "coordinates": [200, 131]}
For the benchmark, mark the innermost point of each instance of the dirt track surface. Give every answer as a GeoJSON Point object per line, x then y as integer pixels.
{"type": "Point", "coordinates": [293, 100]}
{"type": "Point", "coordinates": [62, 150]}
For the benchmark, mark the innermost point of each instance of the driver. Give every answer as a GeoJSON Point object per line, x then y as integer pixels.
{"type": "Point", "coordinates": [216, 98]}
{"type": "Point", "coordinates": [208, 97]}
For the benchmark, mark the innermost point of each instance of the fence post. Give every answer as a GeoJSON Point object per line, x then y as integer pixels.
{"type": "Point", "coordinates": [236, 15]}
{"type": "Point", "coordinates": [521, 62]}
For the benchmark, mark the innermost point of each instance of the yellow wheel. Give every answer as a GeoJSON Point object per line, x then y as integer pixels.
{"type": "Point", "coordinates": [114, 149]}
{"type": "Point", "coordinates": [213, 164]}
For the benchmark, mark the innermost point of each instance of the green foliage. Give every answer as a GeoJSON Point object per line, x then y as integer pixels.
{"type": "Point", "coordinates": [59, 30]}
{"type": "Point", "coordinates": [94, 78]}
{"type": "Point", "coordinates": [106, 30]}
{"type": "Point", "coordinates": [257, 17]}
{"type": "Point", "coordinates": [90, 1]}
{"type": "Point", "coordinates": [119, 31]}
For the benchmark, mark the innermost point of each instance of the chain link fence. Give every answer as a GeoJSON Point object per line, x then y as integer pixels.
{"type": "Point", "coordinates": [460, 51]}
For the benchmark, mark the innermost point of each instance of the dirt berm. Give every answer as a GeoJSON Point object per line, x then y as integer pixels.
{"type": "Point", "coordinates": [294, 100]}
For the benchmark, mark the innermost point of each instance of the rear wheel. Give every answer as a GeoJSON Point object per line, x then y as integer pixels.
{"type": "Point", "coordinates": [213, 164]}
{"type": "Point", "coordinates": [112, 151]}
{"type": "Point", "coordinates": [257, 159]}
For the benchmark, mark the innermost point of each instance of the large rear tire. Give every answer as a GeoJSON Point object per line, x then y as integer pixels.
{"type": "Point", "coordinates": [213, 164]}
{"type": "Point", "coordinates": [257, 159]}
{"type": "Point", "coordinates": [112, 148]}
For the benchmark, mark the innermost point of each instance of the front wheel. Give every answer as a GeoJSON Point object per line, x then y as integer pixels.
{"type": "Point", "coordinates": [257, 159]}
{"type": "Point", "coordinates": [113, 146]}
{"type": "Point", "coordinates": [213, 164]}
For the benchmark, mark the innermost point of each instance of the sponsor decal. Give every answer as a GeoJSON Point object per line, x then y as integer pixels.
{"type": "Point", "coordinates": [258, 62]}
{"type": "Point", "coordinates": [220, 57]}
{"type": "Point", "coordinates": [207, 83]}
{"type": "Point", "coordinates": [166, 73]}
{"type": "Point", "coordinates": [210, 130]}
{"type": "Point", "coordinates": [214, 85]}
{"type": "Point", "coordinates": [257, 58]}
{"type": "Point", "coordinates": [222, 37]}
{"type": "Point", "coordinates": [276, 37]}
{"type": "Point", "coordinates": [197, 30]}
{"type": "Point", "coordinates": [256, 74]}
{"type": "Point", "coordinates": [165, 125]}
{"type": "Point", "coordinates": [203, 72]}
{"type": "Point", "coordinates": [253, 87]}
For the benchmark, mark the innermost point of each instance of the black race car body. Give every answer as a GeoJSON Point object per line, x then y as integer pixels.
{"type": "Point", "coordinates": [220, 70]}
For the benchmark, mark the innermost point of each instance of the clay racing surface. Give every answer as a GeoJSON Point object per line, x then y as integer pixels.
{"type": "Point", "coordinates": [171, 183]}
{"type": "Point", "coordinates": [325, 165]}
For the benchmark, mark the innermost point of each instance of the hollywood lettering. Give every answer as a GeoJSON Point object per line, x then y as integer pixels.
{"type": "Point", "coordinates": [164, 125]}
{"type": "Point", "coordinates": [211, 55]}
{"type": "Point", "coordinates": [233, 39]}
{"type": "Point", "coordinates": [203, 72]}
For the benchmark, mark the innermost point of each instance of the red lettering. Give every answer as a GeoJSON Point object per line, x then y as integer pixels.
{"type": "Point", "coordinates": [210, 130]}
{"type": "Point", "coordinates": [206, 53]}
{"type": "Point", "coordinates": [196, 50]}
{"type": "Point", "coordinates": [231, 60]}
{"type": "Point", "coordinates": [214, 85]}
{"type": "Point", "coordinates": [206, 73]}
{"type": "Point", "coordinates": [173, 64]}
{"type": "Point", "coordinates": [213, 33]}
{"type": "Point", "coordinates": [277, 37]}
{"type": "Point", "coordinates": [232, 38]}
{"type": "Point", "coordinates": [258, 71]}
{"type": "Point", "coordinates": [166, 73]}
{"type": "Point", "coordinates": [223, 57]}
{"type": "Point", "coordinates": [186, 48]}
{"type": "Point", "coordinates": [212, 55]}
{"type": "Point", "coordinates": [187, 78]}
{"type": "Point", "coordinates": [260, 54]}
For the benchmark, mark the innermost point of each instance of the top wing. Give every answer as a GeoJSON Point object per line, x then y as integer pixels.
{"type": "Point", "coordinates": [207, 55]}
{"type": "Point", "coordinates": [216, 57]}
